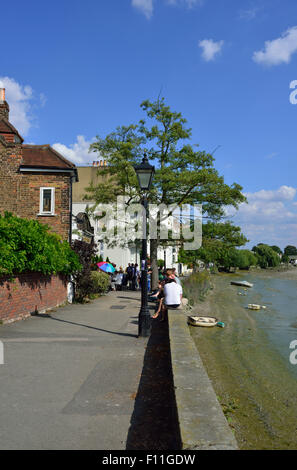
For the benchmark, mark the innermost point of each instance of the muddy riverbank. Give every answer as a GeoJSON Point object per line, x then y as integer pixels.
{"type": "Point", "coordinates": [253, 382]}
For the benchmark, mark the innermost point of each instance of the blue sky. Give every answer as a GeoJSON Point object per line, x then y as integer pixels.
{"type": "Point", "coordinates": [76, 69]}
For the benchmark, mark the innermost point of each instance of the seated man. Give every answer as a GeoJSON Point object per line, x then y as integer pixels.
{"type": "Point", "coordinates": [172, 297]}
{"type": "Point", "coordinates": [160, 287]}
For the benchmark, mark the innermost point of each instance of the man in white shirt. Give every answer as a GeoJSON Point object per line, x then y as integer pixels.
{"type": "Point", "coordinates": [172, 297]}
{"type": "Point", "coordinates": [172, 294]}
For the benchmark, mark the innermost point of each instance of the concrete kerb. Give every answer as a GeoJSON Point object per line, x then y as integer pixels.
{"type": "Point", "coordinates": [202, 423]}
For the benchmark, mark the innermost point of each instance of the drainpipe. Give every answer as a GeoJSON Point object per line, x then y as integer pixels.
{"type": "Point", "coordinates": [72, 180]}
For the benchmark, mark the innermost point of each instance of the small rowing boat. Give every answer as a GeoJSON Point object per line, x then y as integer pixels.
{"type": "Point", "coordinates": [254, 306]}
{"type": "Point", "coordinates": [242, 283]}
{"type": "Point", "coordinates": [202, 321]}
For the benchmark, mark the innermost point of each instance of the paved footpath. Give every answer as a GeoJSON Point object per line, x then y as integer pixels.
{"type": "Point", "coordinates": [70, 378]}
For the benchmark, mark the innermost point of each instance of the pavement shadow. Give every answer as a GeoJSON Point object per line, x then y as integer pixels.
{"type": "Point", "coordinates": [129, 298]}
{"type": "Point", "coordinates": [154, 422]}
{"type": "Point", "coordinates": [85, 326]}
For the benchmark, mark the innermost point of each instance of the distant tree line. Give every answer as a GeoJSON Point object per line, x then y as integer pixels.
{"type": "Point", "coordinates": [221, 244]}
{"type": "Point", "coordinates": [270, 256]}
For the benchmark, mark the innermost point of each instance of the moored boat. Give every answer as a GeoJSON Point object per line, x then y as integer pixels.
{"type": "Point", "coordinates": [202, 321]}
{"type": "Point", "coordinates": [254, 306]}
{"type": "Point", "coordinates": [242, 283]}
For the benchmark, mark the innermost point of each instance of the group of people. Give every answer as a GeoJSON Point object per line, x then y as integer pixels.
{"type": "Point", "coordinates": [130, 278]}
{"type": "Point", "coordinates": [169, 293]}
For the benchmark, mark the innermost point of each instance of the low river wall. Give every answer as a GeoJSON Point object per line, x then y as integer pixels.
{"type": "Point", "coordinates": [202, 423]}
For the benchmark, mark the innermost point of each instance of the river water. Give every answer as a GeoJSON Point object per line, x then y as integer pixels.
{"type": "Point", "coordinates": [248, 361]}
{"type": "Point", "coordinates": [279, 320]}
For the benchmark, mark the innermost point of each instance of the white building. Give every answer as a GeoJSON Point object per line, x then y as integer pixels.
{"type": "Point", "coordinates": [117, 253]}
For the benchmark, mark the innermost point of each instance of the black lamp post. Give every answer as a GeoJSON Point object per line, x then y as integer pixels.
{"type": "Point", "coordinates": [144, 173]}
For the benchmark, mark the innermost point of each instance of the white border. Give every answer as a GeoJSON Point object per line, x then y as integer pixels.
{"type": "Point", "coordinates": [41, 211]}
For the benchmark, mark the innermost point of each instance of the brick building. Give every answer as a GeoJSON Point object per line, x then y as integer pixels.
{"type": "Point", "coordinates": [35, 180]}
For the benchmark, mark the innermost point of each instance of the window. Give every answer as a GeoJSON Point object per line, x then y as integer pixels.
{"type": "Point", "coordinates": [47, 201]}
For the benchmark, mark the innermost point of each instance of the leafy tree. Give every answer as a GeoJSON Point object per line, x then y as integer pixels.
{"type": "Point", "coordinates": [290, 250]}
{"type": "Point", "coordinates": [277, 249]}
{"type": "Point", "coordinates": [243, 259]}
{"type": "Point", "coordinates": [184, 174]}
{"type": "Point", "coordinates": [266, 256]}
{"type": "Point", "coordinates": [97, 259]}
{"type": "Point", "coordinates": [219, 241]}
{"type": "Point", "coordinates": [83, 282]}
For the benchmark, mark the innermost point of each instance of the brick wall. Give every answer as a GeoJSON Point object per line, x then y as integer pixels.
{"type": "Point", "coordinates": [28, 292]}
{"type": "Point", "coordinates": [10, 160]}
{"type": "Point", "coordinates": [20, 193]}
{"type": "Point", "coordinates": [4, 110]}
{"type": "Point", "coordinates": [29, 190]}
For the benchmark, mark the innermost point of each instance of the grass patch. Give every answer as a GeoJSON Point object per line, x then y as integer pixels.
{"type": "Point", "coordinates": [197, 286]}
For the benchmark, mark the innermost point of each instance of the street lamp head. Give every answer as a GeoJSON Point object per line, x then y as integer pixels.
{"type": "Point", "coordinates": [144, 173]}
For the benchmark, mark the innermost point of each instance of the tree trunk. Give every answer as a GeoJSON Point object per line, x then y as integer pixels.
{"type": "Point", "coordinates": [154, 263]}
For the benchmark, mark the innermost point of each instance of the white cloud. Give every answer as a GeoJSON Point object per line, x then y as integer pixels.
{"type": "Point", "coordinates": [271, 234]}
{"type": "Point", "coordinates": [279, 50]}
{"type": "Point", "coordinates": [191, 3]}
{"type": "Point", "coordinates": [43, 99]}
{"type": "Point", "coordinates": [145, 6]}
{"type": "Point", "coordinates": [249, 14]}
{"type": "Point", "coordinates": [284, 193]}
{"type": "Point", "coordinates": [188, 3]}
{"type": "Point", "coordinates": [261, 210]}
{"type": "Point", "coordinates": [271, 155]}
{"type": "Point", "coordinates": [19, 98]}
{"type": "Point", "coordinates": [269, 217]}
{"type": "Point", "coordinates": [78, 152]}
{"type": "Point", "coordinates": [210, 48]}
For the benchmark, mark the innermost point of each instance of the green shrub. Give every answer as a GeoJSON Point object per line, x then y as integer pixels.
{"type": "Point", "coordinates": [197, 286]}
{"type": "Point", "coordinates": [100, 282]}
{"type": "Point", "coordinates": [26, 245]}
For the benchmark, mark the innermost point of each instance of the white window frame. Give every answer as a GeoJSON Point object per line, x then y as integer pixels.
{"type": "Point", "coordinates": [41, 211]}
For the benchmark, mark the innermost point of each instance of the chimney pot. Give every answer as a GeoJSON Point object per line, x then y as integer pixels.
{"type": "Point", "coordinates": [4, 107]}
{"type": "Point", "coordinates": [2, 94]}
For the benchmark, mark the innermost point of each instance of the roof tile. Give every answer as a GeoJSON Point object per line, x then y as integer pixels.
{"type": "Point", "coordinates": [44, 156]}
{"type": "Point", "coordinates": [7, 128]}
